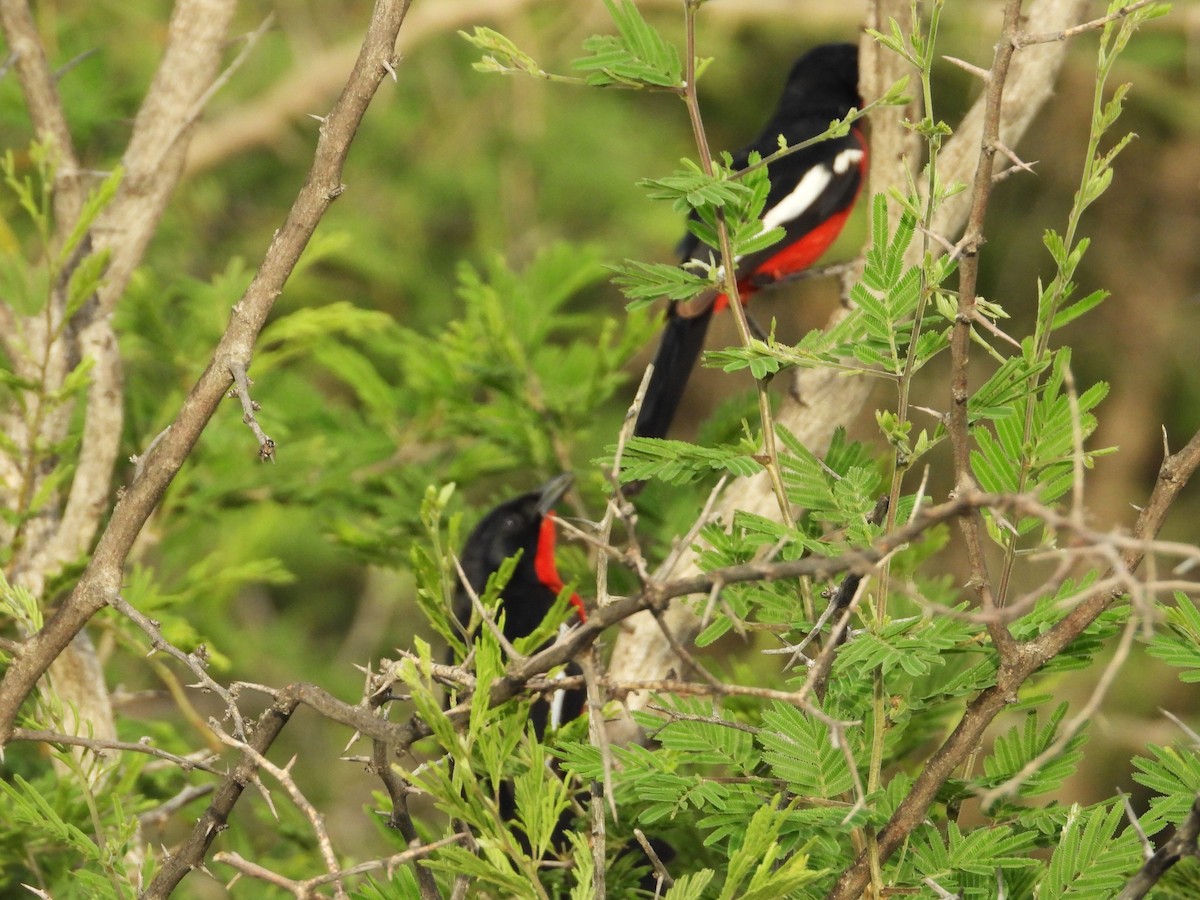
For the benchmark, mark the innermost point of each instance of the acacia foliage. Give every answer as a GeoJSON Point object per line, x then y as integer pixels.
{"type": "Point", "coordinates": [758, 796]}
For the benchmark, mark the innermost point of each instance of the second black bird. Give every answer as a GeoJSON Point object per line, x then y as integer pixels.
{"type": "Point", "coordinates": [812, 192]}
{"type": "Point", "coordinates": [523, 525]}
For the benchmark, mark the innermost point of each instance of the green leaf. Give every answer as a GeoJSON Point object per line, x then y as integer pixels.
{"type": "Point", "coordinates": [645, 282]}
{"type": "Point", "coordinates": [677, 462]}
{"type": "Point", "coordinates": [85, 280]}
{"type": "Point", "coordinates": [802, 752]}
{"type": "Point", "coordinates": [99, 198]}
{"type": "Point", "coordinates": [639, 57]}
{"type": "Point", "coordinates": [691, 187]}
{"type": "Point", "coordinates": [979, 851]}
{"type": "Point", "coordinates": [1179, 644]}
{"type": "Point", "coordinates": [760, 858]}
{"type": "Point", "coordinates": [1090, 859]}
{"type": "Point", "coordinates": [1172, 773]}
{"type": "Point", "coordinates": [913, 646]}
{"type": "Point", "coordinates": [1013, 750]}
{"type": "Point", "coordinates": [500, 54]}
{"type": "Point", "coordinates": [1070, 313]}
{"type": "Point", "coordinates": [689, 887]}
{"type": "Point", "coordinates": [707, 743]}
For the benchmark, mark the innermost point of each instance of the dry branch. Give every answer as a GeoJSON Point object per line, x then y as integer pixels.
{"type": "Point", "coordinates": [53, 346]}
{"type": "Point", "coordinates": [102, 578]}
{"type": "Point", "coordinates": [1182, 844]}
{"type": "Point", "coordinates": [215, 818]}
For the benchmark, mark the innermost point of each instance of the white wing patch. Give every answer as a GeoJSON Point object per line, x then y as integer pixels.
{"type": "Point", "coordinates": [810, 187]}
{"type": "Point", "coordinates": [558, 698]}
{"type": "Point", "coordinates": [847, 158]}
{"type": "Point", "coordinates": [556, 708]}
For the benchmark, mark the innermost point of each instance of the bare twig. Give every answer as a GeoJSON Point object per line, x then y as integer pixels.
{"type": "Point", "coordinates": [398, 790]}
{"type": "Point", "coordinates": [1182, 844]}
{"type": "Point", "coordinates": [593, 680]}
{"type": "Point", "coordinates": [284, 777]}
{"type": "Point", "coordinates": [660, 871]}
{"type": "Point", "coordinates": [191, 853]}
{"type": "Point", "coordinates": [308, 887]}
{"type": "Point", "coordinates": [1136, 825]}
{"type": "Point", "coordinates": [241, 390]}
{"type": "Point", "coordinates": [960, 341]}
{"type": "Point", "coordinates": [674, 715]}
{"type": "Point", "coordinates": [99, 746]}
{"type": "Point", "coordinates": [1025, 39]}
{"type": "Point", "coordinates": [196, 661]}
{"type": "Point", "coordinates": [165, 810]}
{"type": "Point", "coordinates": [484, 616]}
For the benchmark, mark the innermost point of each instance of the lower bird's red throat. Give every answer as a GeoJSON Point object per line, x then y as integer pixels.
{"type": "Point", "coordinates": [545, 567]}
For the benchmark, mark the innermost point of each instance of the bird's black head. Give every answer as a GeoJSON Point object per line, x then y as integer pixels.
{"type": "Point", "coordinates": [823, 82]}
{"type": "Point", "coordinates": [518, 525]}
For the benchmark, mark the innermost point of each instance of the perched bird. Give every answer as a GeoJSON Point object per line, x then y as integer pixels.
{"type": "Point", "coordinates": [523, 525]}
{"type": "Point", "coordinates": [812, 192]}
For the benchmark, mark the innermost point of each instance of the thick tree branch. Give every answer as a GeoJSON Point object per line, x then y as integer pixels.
{"type": "Point", "coordinates": [152, 163]}
{"type": "Point", "coordinates": [102, 578]}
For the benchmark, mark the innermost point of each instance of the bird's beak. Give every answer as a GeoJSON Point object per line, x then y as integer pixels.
{"type": "Point", "coordinates": [552, 491]}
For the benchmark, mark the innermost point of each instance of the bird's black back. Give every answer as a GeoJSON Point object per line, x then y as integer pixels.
{"type": "Point", "coordinates": [821, 86]}
{"type": "Point", "coordinates": [512, 527]}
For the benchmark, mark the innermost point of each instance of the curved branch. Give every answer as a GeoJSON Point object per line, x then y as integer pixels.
{"type": "Point", "coordinates": [101, 580]}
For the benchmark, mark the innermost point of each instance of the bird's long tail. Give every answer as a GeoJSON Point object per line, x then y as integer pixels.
{"type": "Point", "coordinates": [682, 341]}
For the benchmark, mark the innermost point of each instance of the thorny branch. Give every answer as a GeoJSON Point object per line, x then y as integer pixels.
{"type": "Point", "coordinates": [823, 400]}
{"type": "Point", "coordinates": [307, 888]}
{"type": "Point", "coordinates": [100, 747]}
{"type": "Point", "coordinates": [54, 343]}
{"type": "Point", "coordinates": [283, 775]}
{"type": "Point", "coordinates": [191, 853]}
{"type": "Point", "coordinates": [241, 390]}
{"type": "Point", "coordinates": [397, 788]}
{"type": "Point", "coordinates": [1182, 844]}
{"type": "Point", "coordinates": [1024, 39]}
{"type": "Point", "coordinates": [101, 580]}
{"type": "Point", "coordinates": [196, 661]}
{"type": "Point", "coordinates": [1028, 657]}
{"type": "Point", "coordinates": [960, 341]}
{"type": "Point", "coordinates": [1019, 660]}
{"type": "Point", "coordinates": [524, 675]}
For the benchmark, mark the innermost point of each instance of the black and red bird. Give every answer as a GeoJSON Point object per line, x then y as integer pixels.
{"type": "Point", "coordinates": [523, 525]}
{"type": "Point", "coordinates": [812, 192]}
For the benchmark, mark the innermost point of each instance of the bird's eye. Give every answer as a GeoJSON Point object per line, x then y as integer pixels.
{"type": "Point", "coordinates": [511, 523]}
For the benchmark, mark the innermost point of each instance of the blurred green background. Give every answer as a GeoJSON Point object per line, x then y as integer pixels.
{"type": "Point", "coordinates": [297, 570]}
